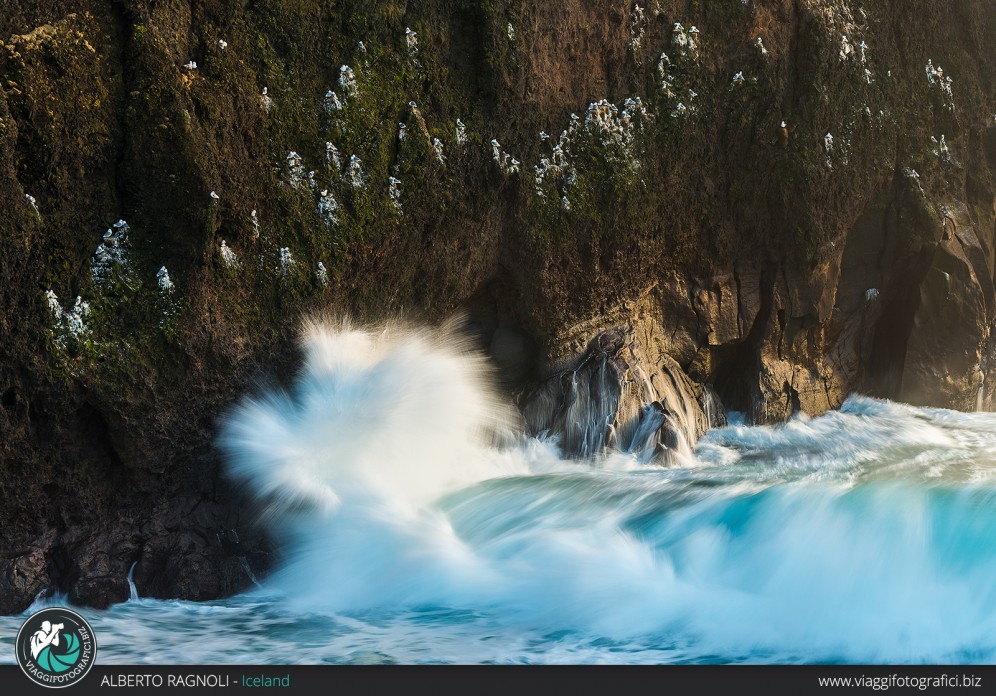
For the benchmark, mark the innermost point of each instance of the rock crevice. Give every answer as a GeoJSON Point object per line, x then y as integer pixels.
{"type": "Point", "coordinates": [770, 225]}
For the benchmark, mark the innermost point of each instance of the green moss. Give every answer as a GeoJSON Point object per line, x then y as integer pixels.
{"type": "Point", "coordinates": [712, 186]}
{"type": "Point", "coordinates": [130, 329]}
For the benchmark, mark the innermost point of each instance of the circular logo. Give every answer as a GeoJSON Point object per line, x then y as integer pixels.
{"type": "Point", "coordinates": [56, 647]}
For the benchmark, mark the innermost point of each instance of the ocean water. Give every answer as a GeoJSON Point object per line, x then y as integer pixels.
{"type": "Point", "coordinates": [420, 526]}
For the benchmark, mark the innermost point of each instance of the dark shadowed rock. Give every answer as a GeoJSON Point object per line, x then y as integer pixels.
{"type": "Point", "coordinates": [951, 327]}
{"type": "Point", "coordinates": [711, 247]}
{"type": "Point", "coordinates": [24, 575]}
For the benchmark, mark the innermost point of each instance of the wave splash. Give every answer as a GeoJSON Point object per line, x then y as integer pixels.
{"type": "Point", "coordinates": [390, 412]}
{"type": "Point", "coordinates": [391, 473]}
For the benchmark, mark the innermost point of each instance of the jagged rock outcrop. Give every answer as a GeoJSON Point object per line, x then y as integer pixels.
{"type": "Point", "coordinates": [792, 202]}
{"type": "Point", "coordinates": [622, 393]}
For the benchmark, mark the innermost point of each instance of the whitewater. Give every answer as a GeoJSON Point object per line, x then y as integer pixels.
{"type": "Point", "coordinates": [419, 524]}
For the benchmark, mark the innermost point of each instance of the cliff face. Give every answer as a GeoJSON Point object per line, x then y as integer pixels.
{"type": "Point", "coordinates": [796, 202]}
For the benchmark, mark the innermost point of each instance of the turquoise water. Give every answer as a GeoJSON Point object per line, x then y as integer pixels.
{"type": "Point", "coordinates": [418, 523]}
{"type": "Point", "coordinates": [865, 535]}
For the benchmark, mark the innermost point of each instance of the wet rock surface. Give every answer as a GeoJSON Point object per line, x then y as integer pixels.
{"type": "Point", "coordinates": [708, 239]}
{"type": "Point", "coordinates": [622, 393]}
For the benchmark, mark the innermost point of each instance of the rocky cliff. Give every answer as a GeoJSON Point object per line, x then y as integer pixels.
{"type": "Point", "coordinates": [776, 202]}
